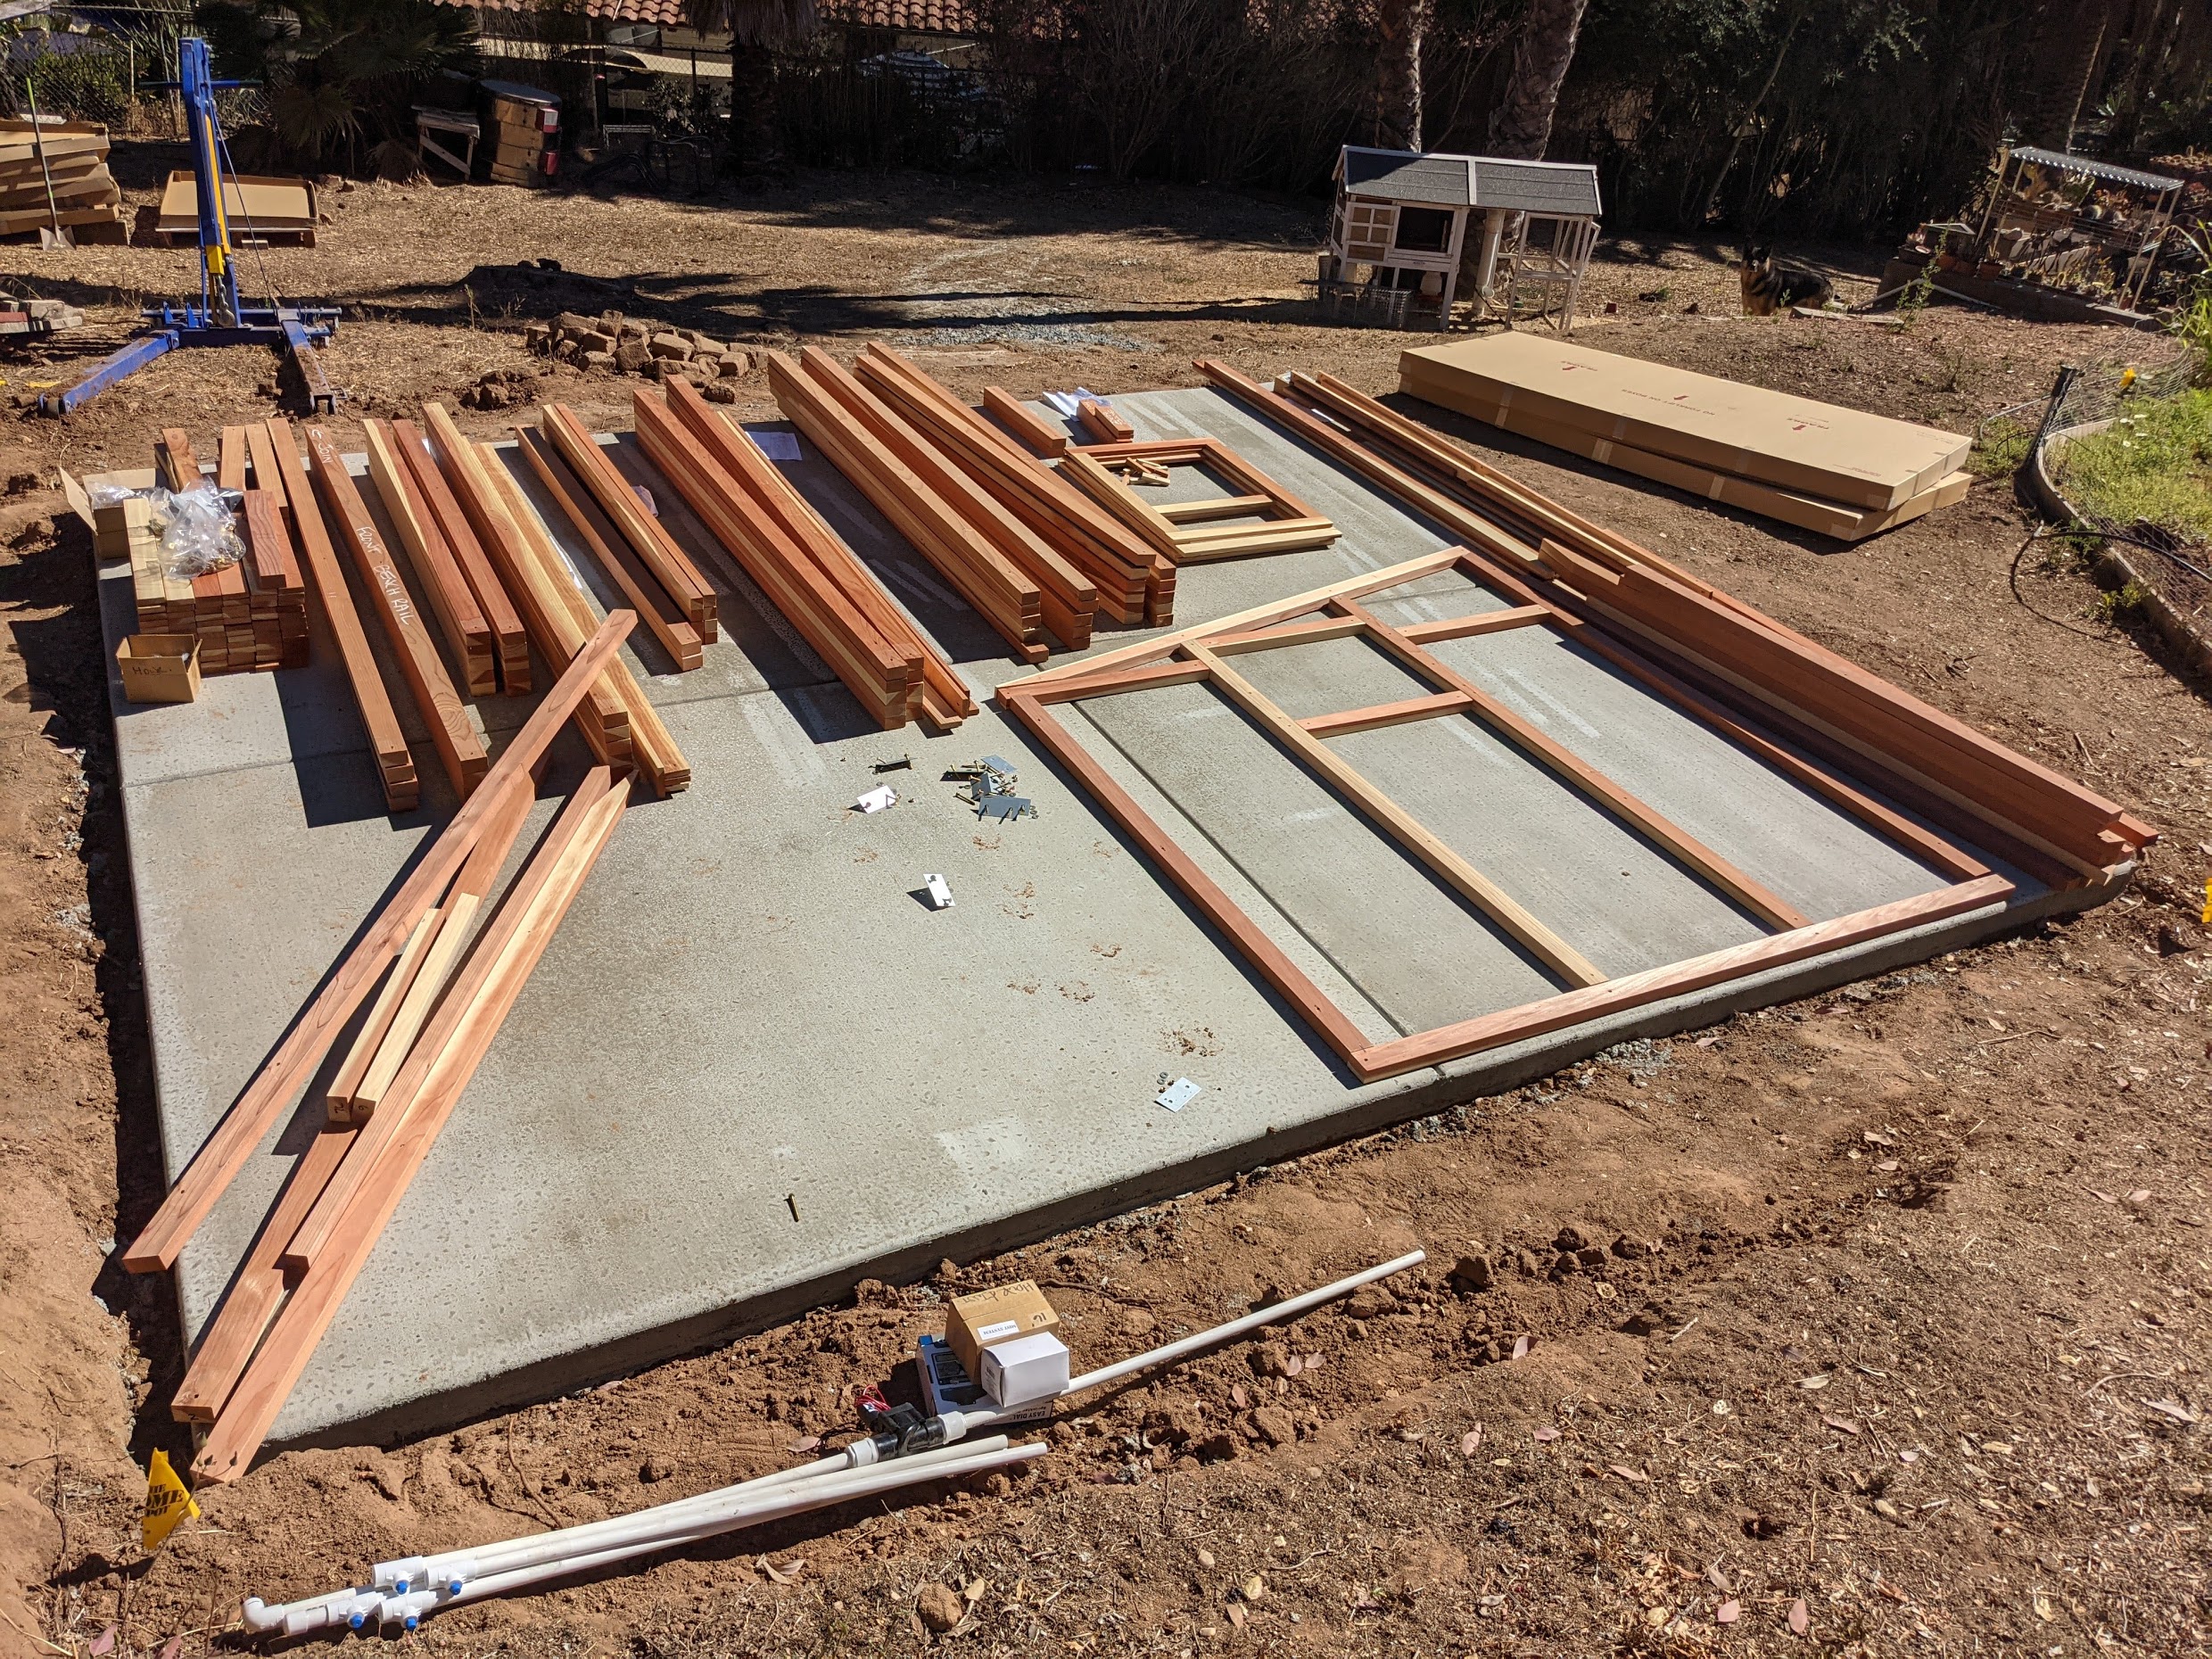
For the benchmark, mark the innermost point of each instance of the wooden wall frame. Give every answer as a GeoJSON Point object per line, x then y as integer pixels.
{"type": "Point", "coordinates": [1205, 654]}
{"type": "Point", "coordinates": [1189, 532]}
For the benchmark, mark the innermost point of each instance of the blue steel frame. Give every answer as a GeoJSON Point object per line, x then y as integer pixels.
{"type": "Point", "coordinates": [220, 318]}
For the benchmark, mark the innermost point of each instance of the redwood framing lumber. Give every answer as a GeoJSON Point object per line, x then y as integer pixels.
{"type": "Point", "coordinates": [512, 953]}
{"type": "Point", "coordinates": [319, 558]}
{"type": "Point", "coordinates": [296, 1058]}
{"type": "Point", "coordinates": [1098, 418]}
{"type": "Point", "coordinates": [1194, 654]}
{"type": "Point", "coordinates": [1481, 622]}
{"type": "Point", "coordinates": [467, 635]}
{"type": "Point", "coordinates": [509, 637]}
{"type": "Point", "coordinates": [457, 743]}
{"type": "Point", "coordinates": [1030, 428]}
{"type": "Point", "coordinates": [1186, 532]}
{"type": "Point", "coordinates": [656, 548]}
{"type": "Point", "coordinates": [647, 596]}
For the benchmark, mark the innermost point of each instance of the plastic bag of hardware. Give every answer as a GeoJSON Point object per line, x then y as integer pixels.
{"type": "Point", "coordinates": [198, 535]}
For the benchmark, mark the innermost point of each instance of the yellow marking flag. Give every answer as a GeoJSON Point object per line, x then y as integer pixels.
{"type": "Point", "coordinates": [167, 1503]}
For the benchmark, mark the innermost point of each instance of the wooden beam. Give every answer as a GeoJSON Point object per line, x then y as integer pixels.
{"type": "Point", "coordinates": [1481, 622]}
{"type": "Point", "coordinates": [617, 497]}
{"type": "Point", "coordinates": [457, 741]}
{"type": "Point", "coordinates": [510, 639]}
{"type": "Point", "coordinates": [616, 557]}
{"type": "Point", "coordinates": [1472, 884]}
{"type": "Point", "coordinates": [1381, 714]}
{"type": "Point", "coordinates": [245, 1419]}
{"type": "Point", "coordinates": [1578, 774]}
{"type": "Point", "coordinates": [467, 635]}
{"type": "Point", "coordinates": [300, 1054]}
{"type": "Point", "coordinates": [1032, 429]}
{"type": "Point", "coordinates": [1100, 420]}
{"type": "Point", "coordinates": [1217, 506]}
{"type": "Point", "coordinates": [319, 559]}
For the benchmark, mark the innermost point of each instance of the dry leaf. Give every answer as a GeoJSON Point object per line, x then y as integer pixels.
{"type": "Point", "coordinates": [1811, 1382]}
{"type": "Point", "coordinates": [1800, 1617]}
{"type": "Point", "coordinates": [103, 1643]}
{"type": "Point", "coordinates": [1634, 1477]}
{"type": "Point", "coordinates": [1293, 1366]}
{"type": "Point", "coordinates": [1842, 1426]}
{"type": "Point", "coordinates": [2043, 1609]}
{"type": "Point", "coordinates": [1236, 1615]}
{"type": "Point", "coordinates": [1520, 1347]}
{"type": "Point", "coordinates": [1471, 1442]}
{"type": "Point", "coordinates": [1873, 1138]}
{"type": "Point", "coordinates": [1719, 1579]}
{"type": "Point", "coordinates": [1656, 1617]}
{"type": "Point", "coordinates": [1546, 1433]}
{"type": "Point", "coordinates": [1238, 1398]}
{"type": "Point", "coordinates": [2172, 1408]}
{"type": "Point", "coordinates": [2141, 1195]}
{"type": "Point", "coordinates": [1254, 1589]}
{"type": "Point", "coordinates": [811, 1442]}
{"type": "Point", "coordinates": [1726, 1613]}
{"type": "Point", "coordinates": [173, 1646]}
{"type": "Point", "coordinates": [1889, 1166]}
{"type": "Point", "coordinates": [975, 1589]}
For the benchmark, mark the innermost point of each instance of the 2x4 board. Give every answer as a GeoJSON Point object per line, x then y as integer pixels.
{"type": "Point", "coordinates": [1775, 437]}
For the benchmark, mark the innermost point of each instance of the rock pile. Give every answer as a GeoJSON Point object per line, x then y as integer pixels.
{"type": "Point", "coordinates": [627, 345]}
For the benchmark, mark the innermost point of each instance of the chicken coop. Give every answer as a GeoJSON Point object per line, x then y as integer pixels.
{"type": "Point", "coordinates": [1425, 239]}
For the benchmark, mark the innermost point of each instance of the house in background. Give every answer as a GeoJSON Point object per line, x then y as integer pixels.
{"type": "Point", "coordinates": [1414, 235]}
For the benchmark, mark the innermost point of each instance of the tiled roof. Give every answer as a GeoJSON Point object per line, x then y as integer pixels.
{"type": "Point", "coordinates": [915, 17]}
{"type": "Point", "coordinates": [667, 14]}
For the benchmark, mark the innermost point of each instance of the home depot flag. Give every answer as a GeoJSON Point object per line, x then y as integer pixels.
{"type": "Point", "coordinates": [167, 1503]}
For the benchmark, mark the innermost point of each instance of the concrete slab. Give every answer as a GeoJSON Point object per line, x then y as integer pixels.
{"type": "Point", "coordinates": [749, 1007]}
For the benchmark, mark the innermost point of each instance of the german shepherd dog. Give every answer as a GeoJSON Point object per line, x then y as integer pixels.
{"type": "Point", "coordinates": [1770, 288]}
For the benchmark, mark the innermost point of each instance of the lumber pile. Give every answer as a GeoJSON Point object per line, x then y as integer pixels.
{"type": "Point", "coordinates": [668, 565]}
{"type": "Point", "coordinates": [1133, 582]}
{"type": "Point", "coordinates": [85, 198]}
{"type": "Point", "coordinates": [617, 721]}
{"type": "Point", "coordinates": [816, 581]}
{"type": "Point", "coordinates": [1817, 465]}
{"type": "Point", "coordinates": [421, 1053]}
{"type": "Point", "coordinates": [525, 128]}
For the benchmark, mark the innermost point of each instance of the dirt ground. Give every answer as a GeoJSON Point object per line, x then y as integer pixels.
{"type": "Point", "coordinates": [1897, 1343]}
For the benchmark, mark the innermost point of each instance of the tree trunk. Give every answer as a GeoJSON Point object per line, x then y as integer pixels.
{"type": "Point", "coordinates": [2064, 51]}
{"type": "Point", "coordinates": [1398, 74]}
{"type": "Point", "coordinates": [1520, 126]}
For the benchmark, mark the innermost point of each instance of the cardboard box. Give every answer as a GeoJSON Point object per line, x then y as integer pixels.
{"type": "Point", "coordinates": [1025, 1368]}
{"type": "Point", "coordinates": [159, 667]}
{"type": "Point", "coordinates": [984, 1318]}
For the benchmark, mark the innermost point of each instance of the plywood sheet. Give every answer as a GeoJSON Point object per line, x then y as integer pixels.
{"type": "Point", "coordinates": [1839, 519]}
{"type": "Point", "coordinates": [260, 203]}
{"type": "Point", "coordinates": [1775, 437]}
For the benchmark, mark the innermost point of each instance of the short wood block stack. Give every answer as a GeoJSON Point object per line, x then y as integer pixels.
{"type": "Point", "coordinates": [525, 129]}
{"type": "Point", "coordinates": [85, 198]}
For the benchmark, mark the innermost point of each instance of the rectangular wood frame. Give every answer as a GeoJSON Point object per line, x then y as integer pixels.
{"type": "Point", "coordinates": [1205, 655]}
{"type": "Point", "coordinates": [1189, 532]}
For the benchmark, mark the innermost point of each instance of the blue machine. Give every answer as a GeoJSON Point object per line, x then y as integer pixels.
{"type": "Point", "coordinates": [220, 318]}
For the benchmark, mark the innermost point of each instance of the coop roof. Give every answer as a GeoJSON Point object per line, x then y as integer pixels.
{"type": "Point", "coordinates": [1438, 179]}
{"type": "Point", "coordinates": [2105, 171]}
{"type": "Point", "coordinates": [1568, 188]}
{"type": "Point", "coordinates": [917, 17]}
{"type": "Point", "coordinates": [1407, 176]}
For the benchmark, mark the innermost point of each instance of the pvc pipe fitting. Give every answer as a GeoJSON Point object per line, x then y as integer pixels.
{"type": "Point", "coordinates": [407, 1611]}
{"type": "Point", "coordinates": [400, 1576]}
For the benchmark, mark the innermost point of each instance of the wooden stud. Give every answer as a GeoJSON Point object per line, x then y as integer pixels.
{"type": "Point", "coordinates": [1100, 420]}
{"type": "Point", "coordinates": [656, 548]}
{"type": "Point", "coordinates": [467, 634]}
{"type": "Point", "coordinates": [1030, 428]}
{"type": "Point", "coordinates": [300, 1054]}
{"type": "Point", "coordinates": [1481, 622]}
{"type": "Point", "coordinates": [1378, 715]}
{"type": "Point", "coordinates": [510, 639]}
{"type": "Point", "coordinates": [457, 741]}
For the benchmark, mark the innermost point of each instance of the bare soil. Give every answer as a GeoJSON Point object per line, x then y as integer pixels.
{"type": "Point", "coordinates": [1900, 1326]}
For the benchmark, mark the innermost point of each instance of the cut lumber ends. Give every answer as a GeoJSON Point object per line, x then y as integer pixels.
{"type": "Point", "coordinates": [1034, 432]}
{"type": "Point", "coordinates": [457, 741]}
{"type": "Point", "coordinates": [174, 460]}
{"type": "Point", "coordinates": [378, 1167]}
{"type": "Point", "coordinates": [661, 616]}
{"type": "Point", "coordinates": [1098, 418]}
{"type": "Point", "coordinates": [837, 607]}
{"type": "Point", "coordinates": [1776, 437]}
{"type": "Point", "coordinates": [394, 764]}
{"type": "Point", "coordinates": [300, 1054]}
{"type": "Point", "coordinates": [510, 640]}
{"type": "Point", "coordinates": [671, 565]}
{"type": "Point", "coordinates": [467, 635]}
{"type": "Point", "coordinates": [652, 748]}
{"type": "Point", "coordinates": [1133, 581]}
{"type": "Point", "coordinates": [546, 613]}
{"type": "Point", "coordinates": [1009, 601]}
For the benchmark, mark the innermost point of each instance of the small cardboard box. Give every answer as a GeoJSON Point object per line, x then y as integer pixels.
{"type": "Point", "coordinates": [975, 1322]}
{"type": "Point", "coordinates": [159, 667]}
{"type": "Point", "coordinates": [1025, 1368]}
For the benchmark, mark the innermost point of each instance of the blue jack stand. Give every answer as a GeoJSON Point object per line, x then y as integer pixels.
{"type": "Point", "coordinates": [220, 318]}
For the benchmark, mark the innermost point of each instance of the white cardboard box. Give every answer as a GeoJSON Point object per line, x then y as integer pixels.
{"type": "Point", "coordinates": [1027, 1368]}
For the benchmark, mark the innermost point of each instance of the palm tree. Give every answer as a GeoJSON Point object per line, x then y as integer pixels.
{"type": "Point", "coordinates": [1398, 81]}
{"type": "Point", "coordinates": [1520, 126]}
{"type": "Point", "coordinates": [758, 30]}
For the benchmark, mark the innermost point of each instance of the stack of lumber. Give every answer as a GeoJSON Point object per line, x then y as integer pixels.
{"type": "Point", "coordinates": [344, 1188]}
{"type": "Point", "coordinates": [667, 566]}
{"type": "Point", "coordinates": [249, 615]}
{"type": "Point", "coordinates": [810, 575]}
{"type": "Point", "coordinates": [1822, 468]}
{"type": "Point", "coordinates": [86, 198]}
{"type": "Point", "coordinates": [525, 129]}
{"type": "Point", "coordinates": [256, 209]}
{"type": "Point", "coordinates": [617, 719]}
{"type": "Point", "coordinates": [1133, 583]}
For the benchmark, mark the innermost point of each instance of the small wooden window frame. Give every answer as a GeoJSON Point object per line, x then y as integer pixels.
{"type": "Point", "coordinates": [1189, 532]}
{"type": "Point", "coordinates": [1204, 656]}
